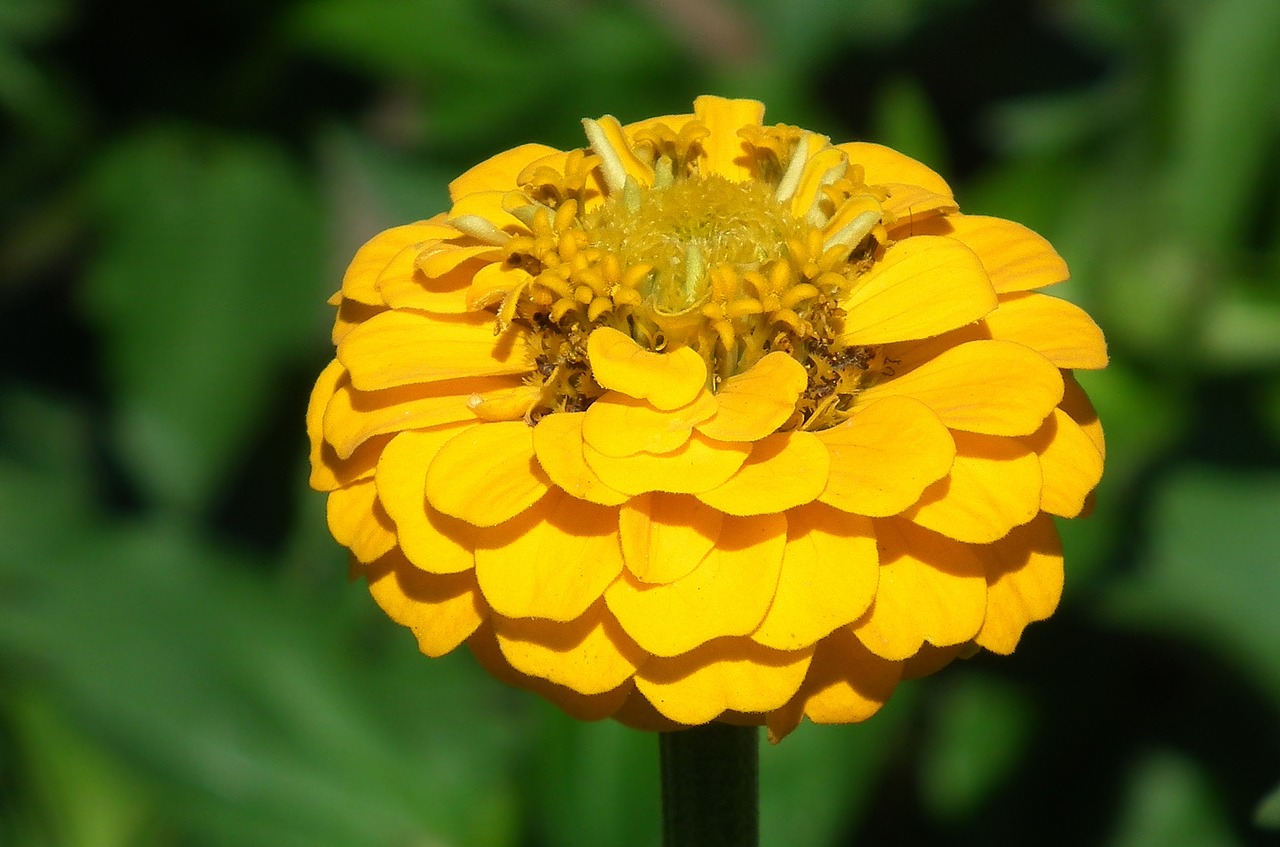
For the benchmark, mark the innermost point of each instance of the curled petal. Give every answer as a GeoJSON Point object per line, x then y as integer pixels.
{"type": "Point", "coordinates": [360, 281]}
{"type": "Point", "coordinates": [619, 425]}
{"type": "Point", "coordinates": [487, 474]}
{"type": "Point", "coordinates": [358, 522]}
{"type": "Point", "coordinates": [700, 465]}
{"type": "Point", "coordinates": [442, 610]}
{"type": "Point", "coordinates": [558, 443]}
{"type": "Point", "coordinates": [1024, 577]}
{"type": "Point", "coordinates": [667, 380]}
{"type": "Point", "coordinates": [1069, 462]}
{"type": "Point", "coordinates": [784, 470]}
{"type": "Point", "coordinates": [1058, 330]}
{"type": "Point", "coordinates": [1076, 404]}
{"type": "Point", "coordinates": [884, 165]}
{"type": "Point", "coordinates": [430, 540]}
{"type": "Point", "coordinates": [752, 404]}
{"type": "Point", "coordinates": [665, 536]}
{"type": "Point", "coordinates": [403, 285]}
{"type": "Point", "coordinates": [591, 654]}
{"type": "Point", "coordinates": [498, 173]}
{"type": "Point", "coordinates": [329, 470]}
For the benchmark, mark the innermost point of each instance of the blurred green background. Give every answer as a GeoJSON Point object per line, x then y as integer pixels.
{"type": "Point", "coordinates": [181, 659]}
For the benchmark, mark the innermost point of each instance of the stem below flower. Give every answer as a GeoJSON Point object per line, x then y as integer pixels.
{"type": "Point", "coordinates": [709, 786]}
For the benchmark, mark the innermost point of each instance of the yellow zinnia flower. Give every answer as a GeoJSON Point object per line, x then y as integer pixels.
{"type": "Point", "coordinates": [707, 420]}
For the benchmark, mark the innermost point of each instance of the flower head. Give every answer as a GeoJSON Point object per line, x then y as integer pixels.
{"type": "Point", "coordinates": [707, 420]}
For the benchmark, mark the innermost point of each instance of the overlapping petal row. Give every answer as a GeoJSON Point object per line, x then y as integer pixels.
{"type": "Point", "coordinates": [757, 488]}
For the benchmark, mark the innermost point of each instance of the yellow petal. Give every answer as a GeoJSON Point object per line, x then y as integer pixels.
{"type": "Point", "coordinates": [619, 425]}
{"type": "Point", "coordinates": [499, 172]}
{"type": "Point", "coordinates": [829, 573]}
{"type": "Point", "coordinates": [907, 205]}
{"type": "Point", "coordinates": [885, 456]}
{"type": "Point", "coordinates": [489, 206]}
{"type": "Point", "coordinates": [723, 148]}
{"type": "Point", "coordinates": [784, 470]}
{"type": "Point", "coordinates": [729, 674]}
{"type": "Point", "coordinates": [637, 712]}
{"type": "Point", "coordinates": [1069, 462]}
{"type": "Point", "coordinates": [993, 387]}
{"type": "Point", "coordinates": [557, 442]}
{"type": "Point", "coordinates": [667, 380]}
{"type": "Point", "coordinates": [922, 287]}
{"type": "Point", "coordinates": [358, 522]}
{"type": "Point", "coordinates": [665, 536]}
{"type": "Point", "coordinates": [994, 485]}
{"type": "Point", "coordinates": [821, 161]}
{"type": "Point", "coordinates": [328, 469]}
{"type": "Point", "coordinates": [752, 404]}
{"type": "Point", "coordinates": [401, 348]}
{"type": "Point", "coordinates": [442, 259]}
{"type": "Point", "coordinates": [354, 416]}
{"type": "Point", "coordinates": [487, 474]}
{"type": "Point", "coordinates": [351, 313]}
{"type": "Point", "coordinates": [1024, 574]}
{"type": "Point", "coordinates": [403, 285]}
{"type": "Point", "coordinates": [846, 683]}
{"type": "Point", "coordinates": [618, 139]}
{"type": "Point", "coordinates": [442, 610]}
{"type": "Point", "coordinates": [1016, 258]}
{"type": "Point", "coordinates": [432, 541]}
{"type": "Point", "coordinates": [553, 561]}
{"type": "Point", "coordinates": [1058, 330]}
{"type": "Point", "coordinates": [360, 280]}
{"type": "Point", "coordinates": [884, 165]}
{"type": "Point", "coordinates": [931, 589]}
{"type": "Point", "coordinates": [700, 465]}
{"type": "Point", "coordinates": [1076, 404]}
{"type": "Point", "coordinates": [591, 655]}
{"type": "Point", "coordinates": [728, 594]}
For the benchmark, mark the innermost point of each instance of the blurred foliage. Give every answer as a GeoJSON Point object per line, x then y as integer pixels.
{"type": "Point", "coordinates": [181, 661]}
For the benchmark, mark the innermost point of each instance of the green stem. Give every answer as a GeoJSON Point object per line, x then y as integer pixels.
{"type": "Point", "coordinates": [709, 786]}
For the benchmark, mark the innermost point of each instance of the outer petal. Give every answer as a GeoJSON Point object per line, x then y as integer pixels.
{"type": "Point", "coordinates": [666, 536]}
{"type": "Point", "coordinates": [1016, 258]}
{"type": "Point", "coordinates": [360, 281]}
{"type": "Point", "coordinates": [728, 674]}
{"type": "Point", "coordinates": [328, 469]}
{"type": "Point", "coordinates": [441, 610]}
{"type": "Point", "coordinates": [993, 387]}
{"type": "Point", "coordinates": [487, 474]}
{"type": "Point", "coordinates": [430, 540]}
{"type": "Point", "coordinates": [884, 457]}
{"type": "Point", "coordinates": [700, 465]}
{"type": "Point", "coordinates": [619, 425]}
{"type": "Point", "coordinates": [591, 655]}
{"type": "Point", "coordinates": [728, 594]}
{"type": "Point", "coordinates": [551, 562]}
{"type": "Point", "coordinates": [994, 485]}
{"type": "Point", "coordinates": [387, 350]}
{"type": "Point", "coordinates": [725, 153]}
{"type": "Point", "coordinates": [351, 314]}
{"type": "Point", "coordinates": [667, 380]}
{"type": "Point", "coordinates": [784, 470]}
{"type": "Point", "coordinates": [1024, 574]}
{"type": "Point", "coordinates": [358, 522]}
{"type": "Point", "coordinates": [1070, 464]}
{"type": "Point", "coordinates": [830, 569]}
{"type": "Point", "coordinates": [403, 285]}
{"type": "Point", "coordinates": [931, 589]}
{"type": "Point", "coordinates": [1076, 404]}
{"type": "Point", "coordinates": [884, 165]}
{"type": "Point", "coordinates": [499, 172]}
{"type": "Point", "coordinates": [1058, 330]}
{"type": "Point", "coordinates": [756, 402]}
{"type": "Point", "coordinates": [924, 286]}
{"type": "Point", "coordinates": [557, 441]}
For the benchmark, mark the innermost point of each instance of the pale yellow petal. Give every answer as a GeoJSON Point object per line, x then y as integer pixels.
{"type": "Point", "coordinates": [619, 425]}
{"type": "Point", "coordinates": [884, 165]}
{"type": "Point", "coordinates": [442, 610]}
{"type": "Point", "coordinates": [723, 148]}
{"type": "Point", "coordinates": [665, 536]}
{"type": "Point", "coordinates": [358, 522]}
{"type": "Point", "coordinates": [994, 485]}
{"type": "Point", "coordinates": [1069, 462]}
{"type": "Point", "coordinates": [430, 540]}
{"type": "Point", "coordinates": [591, 654]}
{"type": "Point", "coordinates": [499, 172]}
{"type": "Point", "coordinates": [728, 594]}
{"type": "Point", "coordinates": [1024, 574]}
{"type": "Point", "coordinates": [667, 380]}
{"type": "Point", "coordinates": [784, 470]}
{"type": "Point", "coordinates": [552, 561]}
{"type": "Point", "coordinates": [884, 457]}
{"type": "Point", "coordinates": [922, 287]}
{"type": "Point", "coordinates": [993, 387]}
{"type": "Point", "coordinates": [754, 403]}
{"type": "Point", "coordinates": [830, 569]}
{"type": "Point", "coordinates": [700, 465]}
{"type": "Point", "coordinates": [1060, 331]}
{"type": "Point", "coordinates": [617, 137]}
{"type": "Point", "coordinates": [487, 474]}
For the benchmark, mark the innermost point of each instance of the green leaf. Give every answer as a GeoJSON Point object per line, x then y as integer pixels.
{"type": "Point", "coordinates": [1170, 803]}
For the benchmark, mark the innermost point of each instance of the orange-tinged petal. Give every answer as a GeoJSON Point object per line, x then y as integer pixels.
{"type": "Point", "coordinates": [442, 610]}
{"type": "Point", "coordinates": [667, 380]}
{"type": "Point", "coordinates": [487, 474]}
{"type": "Point", "coordinates": [922, 287]}
{"type": "Point", "coordinates": [830, 569]}
{"type": "Point", "coordinates": [1069, 462]}
{"type": "Point", "coordinates": [1016, 258]}
{"type": "Point", "coordinates": [846, 683]}
{"type": "Point", "coordinates": [401, 348]}
{"type": "Point", "coordinates": [932, 588]}
{"type": "Point", "coordinates": [884, 165]}
{"type": "Point", "coordinates": [729, 674]}
{"type": "Point", "coordinates": [1058, 330]}
{"type": "Point", "coordinates": [499, 172]}
{"type": "Point", "coordinates": [700, 465]}
{"type": "Point", "coordinates": [784, 470]}
{"type": "Point", "coordinates": [619, 425]}
{"type": "Point", "coordinates": [884, 457]}
{"type": "Point", "coordinates": [358, 522]}
{"type": "Point", "coordinates": [1076, 404]}
{"type": "Point", "coordinates": [360, 280]}
{"type": "Point", "coordinates": [557, 442]}
{"type": "Point", "coordinates": [994, 485]}
{"type": "Point", "coordinates": [355, 416]}
{"type": "Point", "coordinates": [1024, 575]}
{"type": "Point", "coordinates": [754, 403]}
{"type": "Point", "coordinates": [728, 594]}
{"type": "Point", "coordinates": [724, 149]}
{"type": "Point", "coordinates": [431, 541]}
{"type": "Point", "coordinates": [992, 387]}
{"type": "Point", "coordinates": [591, 655]}
{"type": "Point", "coordinates": [553, 561]}
{"type": "Point", "coordinates": [665, 536]}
